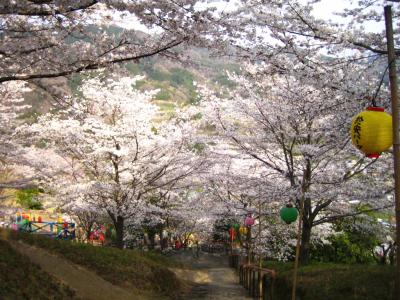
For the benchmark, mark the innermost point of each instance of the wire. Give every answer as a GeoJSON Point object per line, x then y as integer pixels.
{"type": "Point", "coordinates": [373, 100]}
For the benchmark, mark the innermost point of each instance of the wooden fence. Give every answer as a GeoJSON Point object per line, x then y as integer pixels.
{"type": "Point", "coordinates": [259, 282]}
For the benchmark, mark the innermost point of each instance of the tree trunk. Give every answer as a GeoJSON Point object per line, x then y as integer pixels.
{"type": "Point", "coordinates": [163, 240]}
{"type": "Point", "coordinates": [119, 229]}
{"type": "Point", "coordinates": [88, 232]}
{"type": "Point", "coordinates": [151, 236]}
{"type": "Point", "coordinates": [392, 254]}
{"type": "Point", "coordinates": [305, 242]}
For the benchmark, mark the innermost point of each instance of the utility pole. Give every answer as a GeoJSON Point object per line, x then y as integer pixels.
{"type": "Point", "coordinates": [259, 254]}
{"type": "Point", "coordinates": [396, 139]}
{"type": "Point", "coordinates": [298, 245]}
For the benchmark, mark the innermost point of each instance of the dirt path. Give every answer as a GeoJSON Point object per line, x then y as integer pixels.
{"type": "Point", "coordinates": [212, 278]}
{"type": "Point", "coordinates": [87, 284]}
{"type": "Point", "coordinates": [209, 275]}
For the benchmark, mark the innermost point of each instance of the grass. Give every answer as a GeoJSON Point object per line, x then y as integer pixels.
{"type": "Point", "coordinates": [20, 279]}
{"type": "Point", "coordinates": [131, 269]}
{"type": "Point", "coordinates": [166, 106]}
{"type": "Point", "coordinates": [325, 281]}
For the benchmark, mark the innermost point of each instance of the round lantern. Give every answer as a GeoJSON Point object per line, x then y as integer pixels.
{"type": "Point", "coordinates": [235, 226]}
{"type": "Point", "coordinates": [289, 214]}
{"type": "Point", "coordinates": [371, 131]}
{"type": "Point", "coordinates": [249, 221]}
{"type": "Point", "coordinates": [243, 230]}
{"type": "Point", "coordinates": [232, 233]}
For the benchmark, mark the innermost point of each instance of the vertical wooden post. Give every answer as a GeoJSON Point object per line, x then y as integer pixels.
{"type": "Point", "coordinates": [396, 140]}
{"type": "Point", "coordinates": [259, 255]}
{"type": "Point", "coordinates": [248, 245]}
{"type": "Point", "coordinates": [296, 261]}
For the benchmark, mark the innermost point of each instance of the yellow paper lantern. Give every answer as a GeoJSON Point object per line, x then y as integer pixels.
{"type": "Point", "coordinates": [243, 230]}
{"type": "Point", "coordinates": [371, 131]}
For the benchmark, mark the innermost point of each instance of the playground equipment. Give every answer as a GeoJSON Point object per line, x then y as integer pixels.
{"type": "Point", "coordinates": [59, 230]}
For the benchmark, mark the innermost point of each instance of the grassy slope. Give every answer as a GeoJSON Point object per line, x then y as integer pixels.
{"type": "Point", "coordinates": [20, 279]}
{"type": "Point", "coordinates": [335, 281]}
{"type": "Point", "coordinates": [127, 268]}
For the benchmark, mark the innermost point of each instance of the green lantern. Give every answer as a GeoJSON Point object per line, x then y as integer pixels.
{"type": "Point", "coordinates": [235, 226]}
{"type": "Point", "coordinates": [289, 214]}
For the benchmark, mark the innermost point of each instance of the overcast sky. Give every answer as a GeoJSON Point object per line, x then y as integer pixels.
{"type": "Point", "coordinates": [325, 10]}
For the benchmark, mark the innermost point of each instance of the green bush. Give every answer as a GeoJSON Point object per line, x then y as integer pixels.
{"type": "Point", "coordinates": [158, 75]}
{"type": "Point", "coordinates": [320, 281]}
{"type": "Point", "coordinates": [354, 241]}
{"type": "Point", "coordinates": [29, 198]}
{"type": "Point", "coordinates": [198, 147]}
{"type": "Point", "coordinates": [222, 79]}
{"type": "Point", "coordinates": [181, 77]}
{"type": "Point", "coordinates": [163, 95]}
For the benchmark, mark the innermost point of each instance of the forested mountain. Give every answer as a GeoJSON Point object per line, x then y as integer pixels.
{"type": "Point", "coordinates": [174, 79]}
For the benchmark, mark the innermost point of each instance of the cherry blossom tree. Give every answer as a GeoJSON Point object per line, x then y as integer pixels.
{"type": "Point", "coordinates": [119, 156]}
{"type": "Point", "coordinates": [334, 66]}
{"type": "Point", "coordinates": [49, 38]}
{"type": "Point", "coordinates": [289, 113]}
{"type": "Point", "coordinates": [13, 175]}
{"type": "Point", "coordinates": [271, 30]}
{"type": "Point", "coordinates": [296, 129]}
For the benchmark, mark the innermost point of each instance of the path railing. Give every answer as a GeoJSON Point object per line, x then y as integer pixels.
{"type": "Point", "coordinates": [259, 282]}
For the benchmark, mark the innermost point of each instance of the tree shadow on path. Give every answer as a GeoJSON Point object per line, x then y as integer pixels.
{"type": "Point", "coordinates": [211, 277]}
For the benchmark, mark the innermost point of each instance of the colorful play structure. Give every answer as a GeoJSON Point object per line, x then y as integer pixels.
{"type": "Point", "coordinates": [59, 230]}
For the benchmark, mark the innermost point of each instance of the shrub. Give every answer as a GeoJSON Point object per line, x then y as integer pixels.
{"type": "Point", "coordinates": [163, 95]}
{"type": "Point", "coordinates": [29, 198]}
{"type": "Point", "coordinates": [322, 281]}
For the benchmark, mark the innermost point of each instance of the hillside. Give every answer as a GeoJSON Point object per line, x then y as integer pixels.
{"type": "Point", "coordinates": [174, 79]}
{"type": "Point", "coordinates": [127, 272]}
{"type": "Point", "coordinates": [17, 269]}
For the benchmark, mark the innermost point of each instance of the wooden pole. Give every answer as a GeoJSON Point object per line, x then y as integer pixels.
{"type": "Point", "coordinates": [296, 261]}
{"type": "Point", "coordinates": [259, 255]}
{"type": "Point", "coordinates": [248, 245]}
{"type": "Point", "coordinates": [396, 139]}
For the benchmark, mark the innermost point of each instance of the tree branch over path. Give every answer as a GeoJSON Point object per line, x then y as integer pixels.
{"type": "Point", "coordinates": [38, 9]}
{"type": "Point", "coordinates": [94, 65]}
